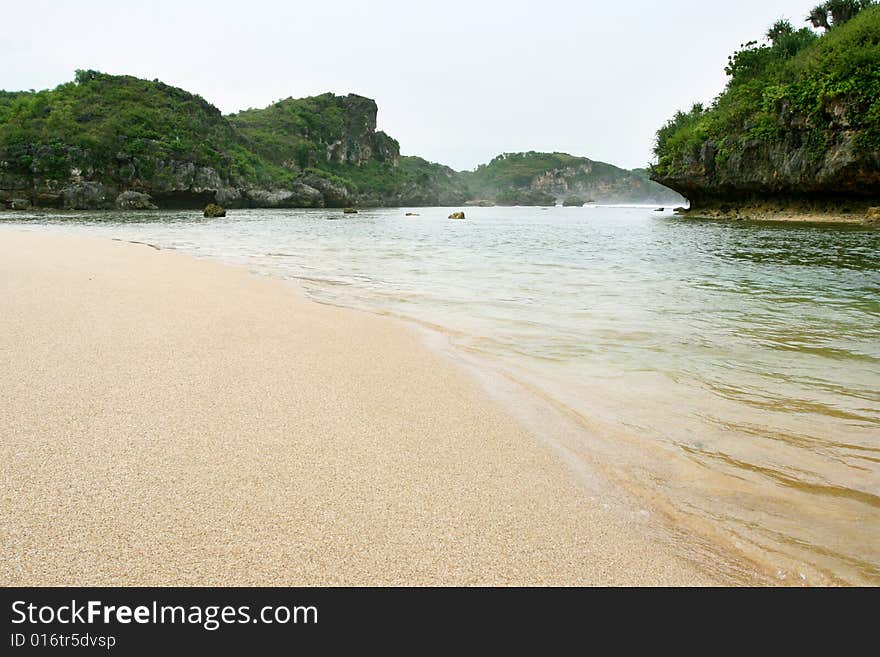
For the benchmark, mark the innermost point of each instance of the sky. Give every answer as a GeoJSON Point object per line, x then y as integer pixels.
{"type": "Point", "coordinates": [456, 82]}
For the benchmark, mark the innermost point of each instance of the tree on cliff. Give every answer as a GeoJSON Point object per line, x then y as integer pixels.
{"type": "Point", "coordinates": [753, 60]}
{"type": "Point", "coordinates": [836, 12]}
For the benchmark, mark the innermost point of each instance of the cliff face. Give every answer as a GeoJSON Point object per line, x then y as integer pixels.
{"type": "Point", "coordinates": [359, 141]}
{"type": "Point", "coordinates": [798, 125]}
{"type": "Point", "coordinates": [791, 170]}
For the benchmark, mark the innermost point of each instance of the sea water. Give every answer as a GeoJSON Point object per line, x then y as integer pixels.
{"type": "Point", "coordinates": [732, 369]}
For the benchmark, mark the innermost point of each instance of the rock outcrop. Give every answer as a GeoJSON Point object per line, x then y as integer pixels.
{"type": "Point", "coordinates": [358, 141]}
{"type": "Point", "coordinates": [333, 194]}
{"type": "Point", "coordinates": [134, 201]}
{"type": "Point", "coordinates": [297, 195]}
{"type": "Point", "coordinates": [789, 171]}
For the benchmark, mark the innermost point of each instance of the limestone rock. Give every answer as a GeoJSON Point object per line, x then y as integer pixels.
{"type": "Point", "coordinates": [334, 195]}
{"type": "Point", "coordinates": [298, 195]}
{"type": "Point", "coordinates": [786, 171]}
{"type": "Point", "coordinates": [87, 196]}
{"type": "Point", "coordinates": [213, 210]}
{"type": "Point", "coordinates": [134, 201]}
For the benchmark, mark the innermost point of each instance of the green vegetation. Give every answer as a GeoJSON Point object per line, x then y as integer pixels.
{"type": "Point", "coordinates": [118, 123]}
{"type": "Point", "coordinates": [511, 170]}
{"type": "Point", "coordinates": [282, 131]}
{"type": "Point", "coordinates": [542, 178]}
{"type": "Point", "coordinates": [798, 80]}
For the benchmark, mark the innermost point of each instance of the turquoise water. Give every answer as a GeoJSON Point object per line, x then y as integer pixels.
{"type": "Point", "coordinates": [736, 365]}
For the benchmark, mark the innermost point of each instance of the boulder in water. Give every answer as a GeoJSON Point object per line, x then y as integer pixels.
{"type": "Point", "coordinates": [349, 211]}
{"type": "Point", "coordinates": [213, 210]}
{"type": "Point", "coordinates": [457, 215]}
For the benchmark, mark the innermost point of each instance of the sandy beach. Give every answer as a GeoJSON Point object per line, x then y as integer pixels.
{"type": "Point", "coordinates": [174, 421]}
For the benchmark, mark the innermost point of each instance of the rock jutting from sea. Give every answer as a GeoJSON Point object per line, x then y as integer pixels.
{"type": "Point", "coordinates": [796, 133]}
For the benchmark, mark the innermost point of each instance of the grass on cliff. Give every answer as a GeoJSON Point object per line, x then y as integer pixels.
{"type": "Point", "coordinates": [828, 81]}
{"type": "Point", "coordinates": [290, 131]}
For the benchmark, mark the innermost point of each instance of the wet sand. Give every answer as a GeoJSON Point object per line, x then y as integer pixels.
{"type": "Point", "coordinates": [173, 421]}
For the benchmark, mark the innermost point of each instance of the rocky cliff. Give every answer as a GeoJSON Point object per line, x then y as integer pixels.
{"type": "Point", "coordinates": [798, 125]}
{"type": "Point", "coordinates": [788, 171]}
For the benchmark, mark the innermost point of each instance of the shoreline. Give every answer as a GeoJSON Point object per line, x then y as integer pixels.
{"type": "Point", "coordinates": [865, 214]}
{"type": "Point", "coordinates": [423, 416]}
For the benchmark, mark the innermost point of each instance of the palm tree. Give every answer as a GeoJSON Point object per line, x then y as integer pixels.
{"type": "Point", "coordinates": [780, 28]}
{"type": "Point", "coordinates": [840, 12]}
{"type": "Point", "coordinates": [818, 16]}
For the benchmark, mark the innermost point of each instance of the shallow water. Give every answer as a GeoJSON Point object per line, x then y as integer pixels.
{"type": "Point", "coordinates": [730, 368]}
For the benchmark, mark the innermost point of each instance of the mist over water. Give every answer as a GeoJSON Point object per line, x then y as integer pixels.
{"type": "Point", "coordinates": [732, 367]}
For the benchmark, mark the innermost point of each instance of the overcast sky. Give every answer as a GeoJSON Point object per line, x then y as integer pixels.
{"type": "Point", "coordinates": [456, 82]}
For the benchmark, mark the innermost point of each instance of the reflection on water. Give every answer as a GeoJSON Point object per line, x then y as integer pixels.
{"type": "Point", "coordinates": [744, 358]}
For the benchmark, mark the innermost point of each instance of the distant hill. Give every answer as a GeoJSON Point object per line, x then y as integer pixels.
{"type": "Point", "coordinates": [545, 178]}
{"type": "Point", "coordinates": [105, 141]}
